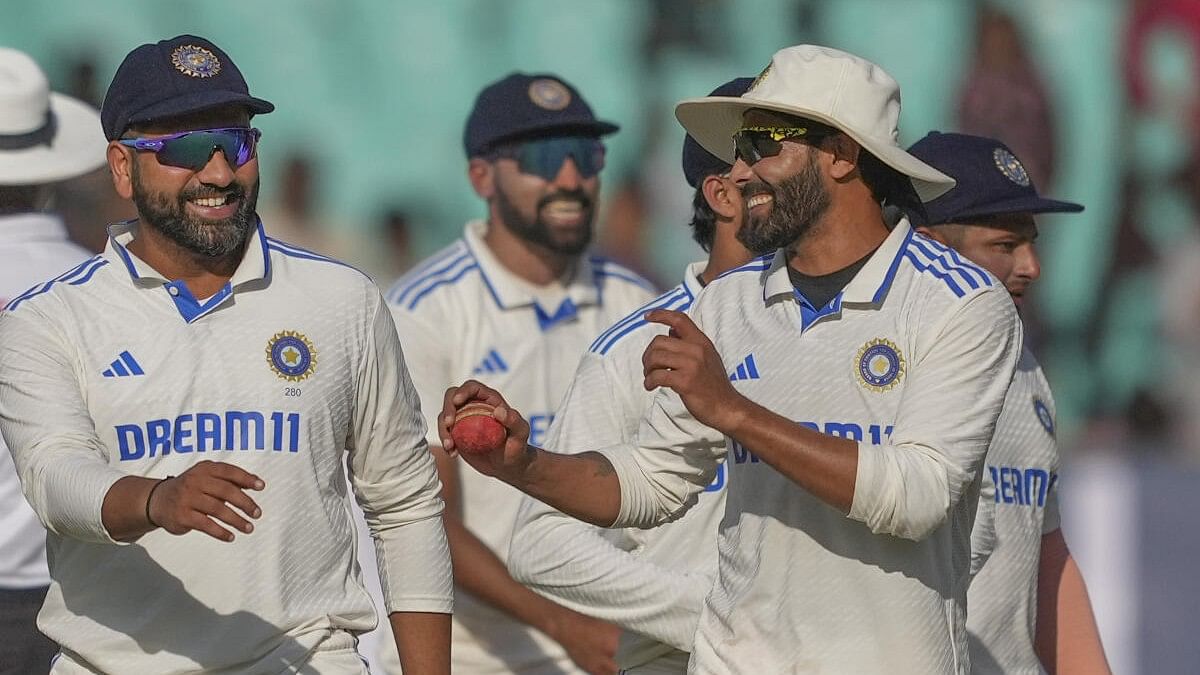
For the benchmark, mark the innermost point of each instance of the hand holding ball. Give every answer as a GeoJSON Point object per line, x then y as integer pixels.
{"type": "Point", "coordinates": [475, 431]}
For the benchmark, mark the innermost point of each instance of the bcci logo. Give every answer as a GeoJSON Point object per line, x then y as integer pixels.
{"type": "Point", "coordinates": [1043, 415]}
{"type": "Point", "coordinates": [195, 61]}
{"type": "Point", "coordinates": [291, 355]}
{"type": "Point", "coordinates": [1010, 166]}
{"type": "Point", "coordinates": [880, 365]}
{"type": "Point", "coordinates": [549, 94]}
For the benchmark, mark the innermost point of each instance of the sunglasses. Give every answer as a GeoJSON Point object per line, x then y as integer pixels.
{"type": "Point", "coordinates": [193, 149]}
{"type": "Point", "coordinates": [544, 157]}
{"type": "Point", "coordinates": [752, 144]}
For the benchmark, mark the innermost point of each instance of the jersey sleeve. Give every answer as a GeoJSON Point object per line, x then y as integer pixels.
{"type": "Point", "coordinates": [583, 567]}
{"type": "Point", "coordinates": [61, 461]}
{"type": "Point", "coordinates": [395, 480]}
{"type": "Point", "coordinates": [983, 532]}
{"type": "Point", "coordinates": [944, 424]}
{"type": "Point", "coordinates": [1051, 519]}
{"type": "Point", "coordinates": [427, 363]}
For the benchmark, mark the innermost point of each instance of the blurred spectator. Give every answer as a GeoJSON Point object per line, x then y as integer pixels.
{"type": "Point", "coordinates": [1003, 96]}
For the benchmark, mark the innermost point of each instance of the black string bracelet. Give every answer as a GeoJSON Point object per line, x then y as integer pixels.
{"type": "Point", "coordinates": [151, 496]}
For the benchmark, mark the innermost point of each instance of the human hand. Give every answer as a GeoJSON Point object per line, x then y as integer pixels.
{"type": "Point", "coordinates": [591, 643]}
{"type": "Point", "coordinates": [686, 361]}
{"type": "Point", "coordinates": [202, 496]}
{"type": "Point", "coordinates": [509, 459]}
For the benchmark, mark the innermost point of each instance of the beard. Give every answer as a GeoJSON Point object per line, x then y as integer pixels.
{"type": "Point", "coordinates": [211, 238]}
{"type": "Point", "coordinates": [564, 241]}
{"type": "Point", "coordinates": [797, 204]}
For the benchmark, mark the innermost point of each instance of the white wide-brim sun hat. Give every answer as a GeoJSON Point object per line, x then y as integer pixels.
{"type": "Point", "coordinates": [826, 85]}
{"type": "Point", "coordinates": [44, 136]}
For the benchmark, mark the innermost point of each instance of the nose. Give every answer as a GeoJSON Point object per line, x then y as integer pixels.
{"type": "Point", "coordinates": [741, 173]}
{"type": "Point", "coordinates": [218, 171]}
{"type": "Point", "coordinates": [568, 177]}
{"type": "Point", "coordinates": [1028, 264]}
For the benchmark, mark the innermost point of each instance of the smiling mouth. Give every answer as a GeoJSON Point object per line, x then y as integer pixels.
{"type": "Point", "coordinates": [214, 202]}
{"type": "Point", "coordinates": [759, 200]}
{"type": "Point", "coordinates": [563, 211]}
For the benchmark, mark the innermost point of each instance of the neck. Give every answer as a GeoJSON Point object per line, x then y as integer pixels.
{"type": "Point", "coordinates": [203, 275]}
{"type": "Point", "coordinates": [727, 252]}
{"type": "Point", "coordinates": [532, 262]}
{"type": "Point", "coordinates": [848, 231]}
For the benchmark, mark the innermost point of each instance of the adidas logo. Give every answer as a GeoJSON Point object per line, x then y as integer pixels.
{"type": "Point", "coordinates": [124, 366]}
{"type": "Point", "coordinates": [492, 363]}
{"type": "Point", "coordinates": [746, 370]}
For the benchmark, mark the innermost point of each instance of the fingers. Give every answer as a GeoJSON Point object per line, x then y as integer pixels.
{"type": "Point", "coordinates": [457, 397]}
{"type": "Point", "coordinates": [681, 324]}
{"type": "Point", "coordinates": [206, 495]}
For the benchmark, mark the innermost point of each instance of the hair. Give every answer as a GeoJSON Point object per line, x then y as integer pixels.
{"type": "Point", "coordinates": [22, 198]}
{"type": "Point", "coordinates": [704, 219]}
{"type": "Point", "coordinates": [888, 185]}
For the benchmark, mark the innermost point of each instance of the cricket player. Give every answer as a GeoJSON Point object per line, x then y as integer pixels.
{"type": "Point", "coordinates": [650, 582]}
{"type": "Point", "coordinates": [182, 408]}
{"type": "Point", "coordinates": [854, 456]}
{"type": "Point", "coordinates": [1029, 606]}
{"type": "Point", "coordinates": [515, 302]}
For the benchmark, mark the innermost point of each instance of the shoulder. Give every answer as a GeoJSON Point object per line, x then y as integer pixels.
{"type": "Point", "coordinates": [609, 273]}
{"type": "Point", "coordinates": [633, 332]}
{"type": "Point", "coordinates": [436, 274]}
{"type": "Point", "coordinates": [62, 285]}
{"type": "Point", "coordinates": [752, 273]}
{"type": "Point", "coordinates": [940, 271]}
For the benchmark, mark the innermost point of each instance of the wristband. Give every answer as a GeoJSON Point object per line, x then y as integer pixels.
{"type": "Point", "coordinates": [151, 496]}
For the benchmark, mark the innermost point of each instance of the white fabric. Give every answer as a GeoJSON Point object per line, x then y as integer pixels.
{"type": "Point", "coordinates": [1020, 483]}
{"type": "Point", "coordinates": [77, 145]}
{"type": "Point", "coordinates": [462, 314]}
{"type": "Point", "coordinates": [650, 582]}
{"type": "Point", "coordinates": [800, 587]}
{"type": "Point", "coordinates": [33, 247]}
{"type": "Point", "coordinates": [823, 84]}
{"type": "Point", "coordinates": [206, 387]}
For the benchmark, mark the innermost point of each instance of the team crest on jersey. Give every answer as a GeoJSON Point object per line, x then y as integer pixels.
{"type": "Point", "coordinates": [880, 365]}
{"type": "Point", "coordinates": [549, 94]}
{"type": "Point", "coordinates": [195, 61]}
{"type": "Point", "coordinates": [1010, 166]}
{"type": "Point", "coordinates": [291, 355]}
{"type": "Point", "coordinates": [1043, 414]}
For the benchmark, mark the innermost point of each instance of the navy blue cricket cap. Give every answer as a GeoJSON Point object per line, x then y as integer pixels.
{"type": "Point", "coordinates": [183, 75]}
{"type": "Point", "coordinates": [991, 181]}
{"type": "Point", "coordinates": [524, 106]}
{"type": "Point", "coordinates": [699, 163]}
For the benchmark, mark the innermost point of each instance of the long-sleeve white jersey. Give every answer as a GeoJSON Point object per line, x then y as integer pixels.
{"type": "Point", "coordinates": [461, 314]}
{"type": "Point", "coordinates": [911, 360]}
{"type": "Point", "coordinates": [32, 247]}
{"type": "Point", "coordinates": [292, 371]}
{"type": "Point", "coordinates": [1017, 506]}
{"type": "Point", "coordinates": [650, 582]}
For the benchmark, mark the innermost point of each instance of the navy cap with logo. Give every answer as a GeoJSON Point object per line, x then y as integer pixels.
{"type": "Point", "coordinates": [182, 75]}
{"type": "Point", "coordinates": [527, 106]}
{"type": "Point", "coordinates": [699, 163]}
{"type": "Point", "coordinates": [991, 181]}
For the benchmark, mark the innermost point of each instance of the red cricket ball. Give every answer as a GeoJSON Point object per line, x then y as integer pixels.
{"type": "Point", "coordinates": [475, 431]}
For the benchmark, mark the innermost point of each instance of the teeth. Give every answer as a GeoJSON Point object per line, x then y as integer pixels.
{"type": "Point", "coordinates": [209, 201]}
{"type": "Point", "coordinates": [565, 209]}
{"type": "Point", "coordinates": [757, 200]}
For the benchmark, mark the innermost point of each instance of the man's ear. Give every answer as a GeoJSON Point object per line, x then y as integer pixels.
{"type": "Point", "coordinates": [722, 196]}
{"type": "Point", "coordinates": [935, 233]}
{"type": "Point", "coordinates": [845, 153]}
{"type": "Point", "coordinates": [120, 165]}
{"type": "Point", "coordinates": [482, 175]}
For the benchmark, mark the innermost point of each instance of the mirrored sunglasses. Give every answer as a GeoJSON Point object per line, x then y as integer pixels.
{"type": "Point", "coordinates": [752, 144]}
{"type": "Point", "coordinates": [544, 157]}
{"type": "Point", "coordinates": [193, 149]}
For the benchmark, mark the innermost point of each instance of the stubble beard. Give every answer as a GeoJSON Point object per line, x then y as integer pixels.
{"type": "Point", "coordinates": [208, 238]}
{"type": "Point", "coordinates": [796, 206]}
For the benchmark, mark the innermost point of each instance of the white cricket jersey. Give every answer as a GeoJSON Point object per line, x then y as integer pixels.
{"type": "Point", "coordinates": [33, 246]}
{"type": "Point", "coordinates": [911, 360]}
{"type": "Point", "coordinates": [462, 314]}
{"type": "Point", "coordinates": [650, 582]}
{"type": "Point", "coordinates": [1017, 506]}
{"type": "Point", "coordinates": [291, 371]}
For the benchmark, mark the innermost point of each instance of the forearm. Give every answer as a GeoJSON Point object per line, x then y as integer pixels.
{"type": "Point", "coordinates": [124, 510]}
{"type": "Point", "coordinates": [825, 466]}
{"type": "Point", "coordinates": [583, 486]}
{"type": "Point", "coordinates": [423, 641]}
{"type": "Point", "coordinates": [1067, 638]}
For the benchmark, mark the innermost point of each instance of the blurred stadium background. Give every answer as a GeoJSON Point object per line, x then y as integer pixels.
{"type": "Point", "coordinates": [363, 160]}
